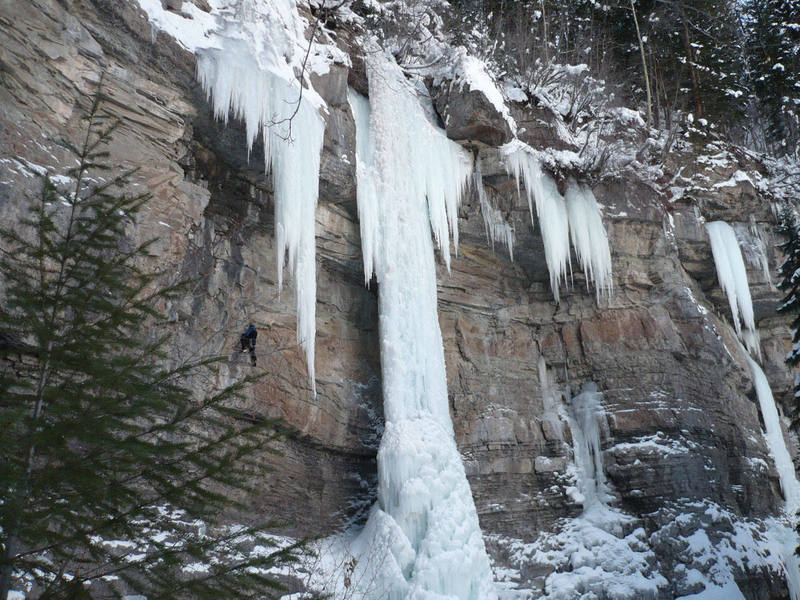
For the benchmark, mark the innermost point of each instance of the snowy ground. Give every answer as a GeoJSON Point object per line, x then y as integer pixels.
{"type": "Point", "coordinates": [606, 554]}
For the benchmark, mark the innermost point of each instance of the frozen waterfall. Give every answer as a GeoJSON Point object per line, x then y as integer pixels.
{"type": "Point", "coordinates": [732, 276]}
{"type": "Point", "coordinates": [602, 553]}
{"type": "Point", "coordinates": [410, 180]}
{"type": "Point", "coordinates": [576, 217]}
{"type": "Point", "coordinates": [785, 537]}
{"type": "Point", "coordinates": [585, 411]}
{"type": "Point", "coordinates": [774, 438]}
{"type": "Point", "coordinates": [246, 73]}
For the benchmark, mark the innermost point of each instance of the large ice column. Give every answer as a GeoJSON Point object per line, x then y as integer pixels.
{"type": "Point", "coordinates": [424, 526]}
{"type": "Point", "coordinates": [246, 73]}
{"type": "Point", "coordinates": [589, 238]}
{"type": "Point", "coordinates": [551, 209]}
{"type": "Point", "coordinates": [732, 276]}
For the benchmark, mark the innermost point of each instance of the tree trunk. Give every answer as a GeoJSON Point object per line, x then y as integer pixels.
{"type": "Point", "coordinates": [544, 33]}
{"type": "Point", "coordinates": [6, 571]}
{"type": "Point", "coordinates": [698, 100]}
{"type": "Point", "coordinates": [644, 68]}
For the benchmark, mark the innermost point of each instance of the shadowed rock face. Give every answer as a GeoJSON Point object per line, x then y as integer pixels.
{"type": "Point", "coordinates": [661, 350]}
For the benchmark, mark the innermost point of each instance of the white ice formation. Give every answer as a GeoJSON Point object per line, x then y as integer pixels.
{"type": "Point", "coordinates": [775, 440]}
{"type": "Point", "coordinates": [247, 71]}
{"type": "Point", "coordinates": [784, 537]}
{"type": "Point", "coordinates": [602, 553]}
{"type": "Point", "coordinates": [410, 181]}
{"type": "Point", "coordinates": [496, 227]}
{"type": "Point", "coordinates": [732, 276]}
{"type": "Point", "coordinates": [576, 217]}
{"type": "Point", "coordinates": [588, 236]}
{"type": "Point", "coordinates": [586, 409]}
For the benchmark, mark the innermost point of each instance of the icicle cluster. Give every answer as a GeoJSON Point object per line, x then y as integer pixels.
{"type": "Point", "coordinates": [589, 237]}
{"type": "Point", "coordinates": [410, 181]}
{"type": "Point", "coordinates": [247, 75]}
{"type": "Point", "coordinates": [732, 276]}
{"type": "Point", "coordinates": [495, 225]}
{"type": "Point", "coordinates": [576, 217]}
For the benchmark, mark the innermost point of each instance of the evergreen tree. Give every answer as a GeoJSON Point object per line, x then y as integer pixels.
{"type": "Point", "coordinates": [789, 272]}
{"type": "Point", "coordinates": [109, 463]}
{"type": "Point", "coordinates": [773, 48]}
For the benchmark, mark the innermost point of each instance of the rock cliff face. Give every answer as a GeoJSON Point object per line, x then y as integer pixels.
{"type": "Point", "coordinates": [680, 429]}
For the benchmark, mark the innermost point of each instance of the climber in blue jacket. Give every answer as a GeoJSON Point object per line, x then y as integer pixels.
{"type": "Point", "coordinates": [248, 342]}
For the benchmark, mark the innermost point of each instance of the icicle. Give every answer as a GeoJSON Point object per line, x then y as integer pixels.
{"type": "Point", "coordinates": [410, 180]}
{"type": "Point", "coordinates": [495, 225]}
{"type": "Point", "coordinates": [367, 199]}
{"type": "Point", "coordinates": [550, 208]}
{"type": "Point", "coordinates": [732, 276]}
{"type": "Point", "coordinates": [250, 79]}
{"type": "Point", "coordinates": [589, 237]}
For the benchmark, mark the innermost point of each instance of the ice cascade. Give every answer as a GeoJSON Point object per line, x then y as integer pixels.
{"type": "Point", "coordinates": [410, 181]}
{"type": "Point", "coordinates": [245, 73]}
{"type": "Point", "coordinates": [602, 553]}
{"type": "Point", "coordinates": [774, 438]}
{"type": "Point", "coordinates": [585, 411]}
{"type": "Point", "coordinates": [577, 218]}
{"type": "Point", "coordinates": [785, 537]}
{"type": "Point", "coordinates": [732, 276]}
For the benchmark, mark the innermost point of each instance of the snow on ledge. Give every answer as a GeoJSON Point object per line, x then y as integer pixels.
{"type": "Point", "coordinates": [472, 72]}
{"type": "Point", "coordinates": [191, 29]}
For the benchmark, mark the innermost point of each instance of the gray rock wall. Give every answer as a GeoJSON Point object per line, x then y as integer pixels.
{"type": "Point", "coordinates": [661, 349]}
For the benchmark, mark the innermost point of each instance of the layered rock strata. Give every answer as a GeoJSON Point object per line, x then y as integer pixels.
{"type": "Point", "coordinates": [661, 349]}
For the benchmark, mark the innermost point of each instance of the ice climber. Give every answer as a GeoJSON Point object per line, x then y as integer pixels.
{"type": "Point", "coordinates": [248, 341]}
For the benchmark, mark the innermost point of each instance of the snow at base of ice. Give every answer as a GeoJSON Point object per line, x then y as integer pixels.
{"type": "Point", "coordinates": [410, 182]}
{"type": "Point", "coordinates": [727, 591]}
{"type": "Point", "coordinates": [576, 217]}
{"type": "Point", "coordinates": [604, 560]}
{"type": "Point", "coordinates": [601, 554]}
{"type": "Point", "coordinates": [732, 276]}
{"type": "Point", "coordinates": [606, 554]}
